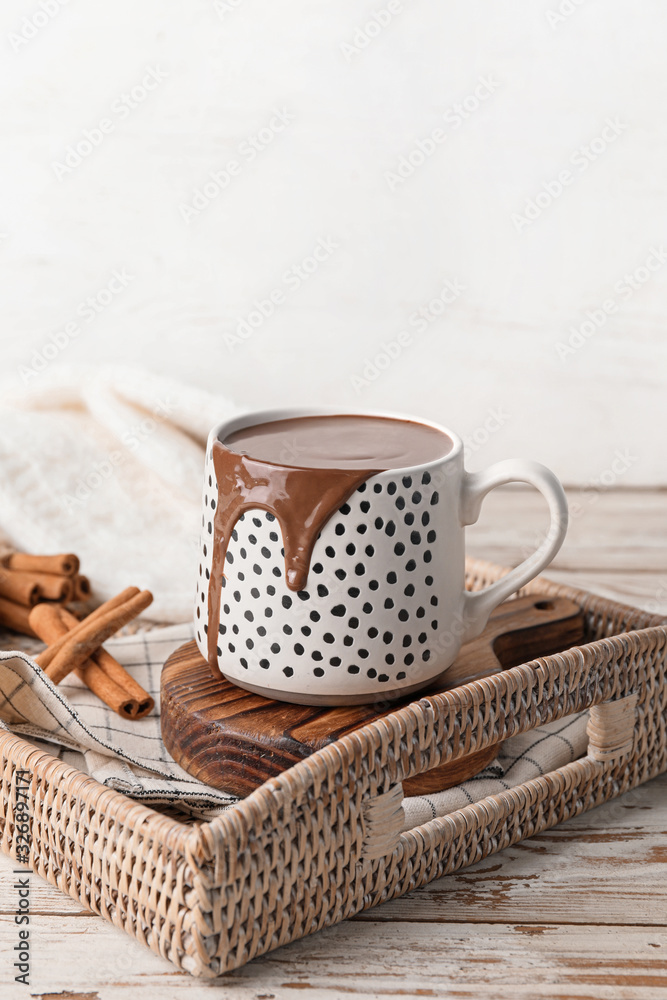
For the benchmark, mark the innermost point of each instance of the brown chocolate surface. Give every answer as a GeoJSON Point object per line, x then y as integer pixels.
{"type": "Point", "coordinates": [341, 441]}
{"type": "Point", "coordinates": [302, 470]}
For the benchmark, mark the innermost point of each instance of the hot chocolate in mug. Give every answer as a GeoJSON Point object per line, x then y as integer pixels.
{"type": "Point", "coordinates": [332, 553]}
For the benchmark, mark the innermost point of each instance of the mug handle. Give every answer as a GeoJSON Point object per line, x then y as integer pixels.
{"type": "Point", "coordinates": [476, 607]}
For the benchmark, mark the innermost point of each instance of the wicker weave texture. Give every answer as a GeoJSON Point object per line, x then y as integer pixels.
{"type": "Point", "coordinates": [322, 841]}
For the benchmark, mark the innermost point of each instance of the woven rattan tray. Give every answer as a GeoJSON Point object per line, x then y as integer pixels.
{"type": "Point", "coordinates": [323, 841]}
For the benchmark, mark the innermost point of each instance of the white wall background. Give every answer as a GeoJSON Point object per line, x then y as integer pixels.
{"type": "Point", "coordinates": [556, 80]}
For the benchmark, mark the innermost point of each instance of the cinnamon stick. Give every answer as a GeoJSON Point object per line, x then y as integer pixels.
{"type": "Point", "coordinates": [55, 588]}
{"type": "Point", "coordinates": [47, 586]}
{"type": "Point", "coordinates": [66, 564]}
{"type": "Point", "coordinates": [113, 602]}
{"type": "Point", "coordinates": [73, 649]}
{"type": "Point", "coordinates": [81, 588]}
{"type": "Point", "coordinates": [53, 626]}
{"type": "Point", "coordinates": [112, 669]}
{"type": "Point", "coordinates": [20, 588]}
{"type": "Point", "coordinates": [15, 616]}
{"type": "Point", "coordinates": [94, 616]}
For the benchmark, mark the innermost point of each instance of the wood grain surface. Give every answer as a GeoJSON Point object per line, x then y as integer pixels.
{"type": "Point", "coordinates": [578, 911]}
{"type": "Point", "coordinates": [236, 740]}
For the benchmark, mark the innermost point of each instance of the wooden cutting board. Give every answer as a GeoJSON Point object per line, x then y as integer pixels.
{"type": "Point", "coordinates": [235, 740]}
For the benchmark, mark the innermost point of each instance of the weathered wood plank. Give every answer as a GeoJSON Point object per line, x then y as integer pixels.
{"type": "Point", "coordinates": [366, 960]}
{"type": "Point", "coordinates": [45, 899]}
{"type": "Point", "coordinates": [642, 590]}
{"type": "Point", "coordinates": [608, 866]}
{"type": "Point", "coordinates": [608, 531]}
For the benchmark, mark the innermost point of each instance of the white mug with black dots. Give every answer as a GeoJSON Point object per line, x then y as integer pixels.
{"type": "Point", "coordinates": [332, 553]}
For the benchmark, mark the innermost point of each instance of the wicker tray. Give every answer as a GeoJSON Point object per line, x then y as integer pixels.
{"type": "Point", "coordinates": [323, 841]}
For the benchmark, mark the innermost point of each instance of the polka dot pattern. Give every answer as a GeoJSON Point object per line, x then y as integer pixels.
{"type": "Point", "coordinates": [370, 608]}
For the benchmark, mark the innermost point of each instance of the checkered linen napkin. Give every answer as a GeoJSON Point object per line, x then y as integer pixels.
{"type": "Point", "coordinates": [520, 758]}
{"type": "Point", "coordinates": [75, 726]}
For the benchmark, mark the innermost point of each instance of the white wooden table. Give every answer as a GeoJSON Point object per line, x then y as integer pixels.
{"type": "Point", "coordinates": [578, 911]}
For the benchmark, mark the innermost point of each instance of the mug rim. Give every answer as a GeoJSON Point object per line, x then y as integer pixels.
{"type": "Point", "coordinates": [251, 417]}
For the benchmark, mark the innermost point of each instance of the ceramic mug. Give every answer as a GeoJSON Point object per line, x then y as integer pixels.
{"type": "Point", "coordinates": [385, 610]}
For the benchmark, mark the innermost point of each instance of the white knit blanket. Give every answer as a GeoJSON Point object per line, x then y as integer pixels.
{"type": "Point", "coordinates": [108, 463]}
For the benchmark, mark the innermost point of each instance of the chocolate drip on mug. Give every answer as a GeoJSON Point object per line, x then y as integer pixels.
{"type": "Point", "coordinates": [301, 499]}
